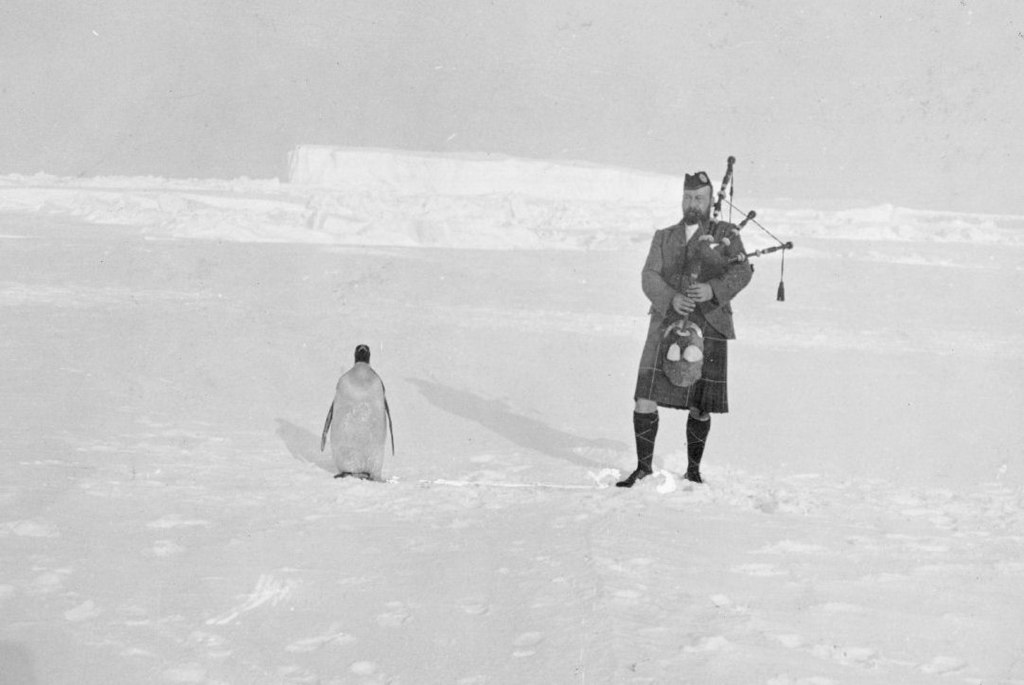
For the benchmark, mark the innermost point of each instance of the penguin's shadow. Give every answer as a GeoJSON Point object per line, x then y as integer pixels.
{"type": "Point", "coordinates": [526, 432]}
{"type": "Point", "coordinates": [304, 445]}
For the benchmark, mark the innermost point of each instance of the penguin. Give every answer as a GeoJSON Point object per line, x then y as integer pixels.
{"type": "Point", "coordinates": [359, 421]}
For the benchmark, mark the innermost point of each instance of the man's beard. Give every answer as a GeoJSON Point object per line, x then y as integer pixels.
{"type": "Point", "coordinates": [693, 215]}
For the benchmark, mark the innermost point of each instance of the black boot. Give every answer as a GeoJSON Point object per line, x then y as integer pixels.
{"type": "Point", "coordinates": [696, 435]}
{"type": "Point", "coordinates": [645, 428]}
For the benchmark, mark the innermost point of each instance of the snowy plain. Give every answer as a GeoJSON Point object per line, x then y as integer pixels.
{"type": "Point", "coordinates": [171, 348]}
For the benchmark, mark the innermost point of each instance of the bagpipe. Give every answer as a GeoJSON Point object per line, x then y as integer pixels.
{"type": "Point", "coordinates": [728, 186]}
{"type": "Point", "coordinates": [683, 360]}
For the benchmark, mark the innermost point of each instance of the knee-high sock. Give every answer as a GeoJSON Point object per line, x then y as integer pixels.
{"type": "Point", "coordinates": [696, 435]}
{"type": "Point", "coordinates": [645, 428]}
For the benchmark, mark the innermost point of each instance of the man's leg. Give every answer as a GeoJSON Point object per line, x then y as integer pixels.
{"type": "Point", "coordinates": [645, 429]}
{"type": "Point", "coordinates": [697, 428]}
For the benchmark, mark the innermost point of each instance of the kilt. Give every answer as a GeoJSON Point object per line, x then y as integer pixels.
{"type": "Point", "coordinates": [709, 394]}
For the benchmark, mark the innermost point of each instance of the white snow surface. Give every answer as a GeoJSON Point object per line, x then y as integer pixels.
{"type": "Point", "coordinates": [171, 349]}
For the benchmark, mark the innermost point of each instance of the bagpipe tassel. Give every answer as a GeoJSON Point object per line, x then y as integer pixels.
{"type": "Point", "coordinates": [781, 294]}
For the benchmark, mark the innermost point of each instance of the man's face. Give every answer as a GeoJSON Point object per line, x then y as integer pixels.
{"type": "Point", "coordinates": [697, 205]}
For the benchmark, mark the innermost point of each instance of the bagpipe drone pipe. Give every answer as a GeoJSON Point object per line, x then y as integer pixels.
{"type": "Point", "coordinates": [728, 186]}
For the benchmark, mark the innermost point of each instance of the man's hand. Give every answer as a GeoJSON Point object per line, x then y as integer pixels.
{"type": "Point", "coordinates": [682, 304]}
{"type": "Point", "coordinates": [700, 292]}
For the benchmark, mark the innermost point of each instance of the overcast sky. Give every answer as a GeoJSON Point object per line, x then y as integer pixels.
{"type": "Point", "coordinates": [917, 102]}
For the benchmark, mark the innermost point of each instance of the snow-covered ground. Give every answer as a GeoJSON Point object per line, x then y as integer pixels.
{"type": "Point", "coordinates": [170, 351]}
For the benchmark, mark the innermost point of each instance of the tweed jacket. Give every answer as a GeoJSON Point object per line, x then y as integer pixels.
{"type": "Point", "coordinates": [672, 258]}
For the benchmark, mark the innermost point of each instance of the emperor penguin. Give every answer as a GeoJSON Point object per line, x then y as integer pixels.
{"type": "Point", "coordinates": [359, 421]}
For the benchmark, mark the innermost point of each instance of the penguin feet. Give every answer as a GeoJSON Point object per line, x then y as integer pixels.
{"type": "Point", "coordinates": [638, 474]}
{"type": "Point", "coordinates": [361, 475]}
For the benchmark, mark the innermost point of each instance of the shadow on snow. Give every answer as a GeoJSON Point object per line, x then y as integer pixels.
{"type": "Point", "coordinates": [528, 433]}
{"type": "Point", "coordinates": [304, 445]}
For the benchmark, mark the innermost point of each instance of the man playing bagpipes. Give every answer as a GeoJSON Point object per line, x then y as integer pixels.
{"type": "Point", "coordinates": [693, 271]}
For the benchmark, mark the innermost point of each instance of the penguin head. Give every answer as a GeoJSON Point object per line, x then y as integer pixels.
{"type": "Point", "coordinates": [363, 353]}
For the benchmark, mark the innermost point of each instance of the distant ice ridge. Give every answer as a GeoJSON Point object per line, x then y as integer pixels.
{"type": "Point", "coordinates": [393, 172]}
{"type": "Point", "coordinates": [386, 197]}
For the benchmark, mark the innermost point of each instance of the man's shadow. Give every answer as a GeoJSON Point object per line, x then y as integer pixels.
{"type": "Point", "coordinates": [304, 445]}
{"type": "Point", "coordinates": [528, 433]}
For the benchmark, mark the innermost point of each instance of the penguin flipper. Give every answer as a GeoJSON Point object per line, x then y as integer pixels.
{"type": "Point", "coordinates": [391, 428]}
{"type": "Point", "coordinates": [387, 412]}
{"type": "Point", "coordinates": [327, 425]}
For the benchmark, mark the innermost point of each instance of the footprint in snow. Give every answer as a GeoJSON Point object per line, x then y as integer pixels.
{"type": "Point", "coordinates": [526, 644]}
{"type": "Point", "coordinates": [474, 606]}
{"type": "Point", "coordinates": [310, 644]}
{"type": "Point", "coordinates": [395, 616]}
{"type": "Point", "coordinates": [668, 484]}
{"type": "Point", "coordinates": [605, 477]}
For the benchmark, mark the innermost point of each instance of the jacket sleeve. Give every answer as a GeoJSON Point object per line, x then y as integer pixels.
{"type": "Point", "coordinates": [654, 286]}
{"type": "Point", "coordinates": [735, 277]}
